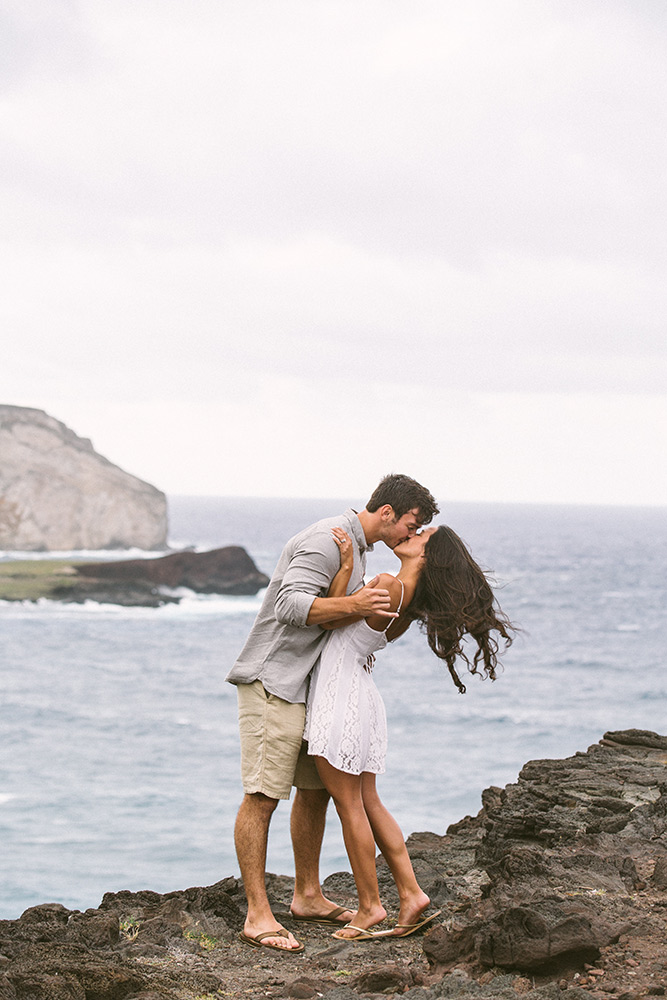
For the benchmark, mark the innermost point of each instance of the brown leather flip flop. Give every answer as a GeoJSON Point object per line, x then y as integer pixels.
{"type": "Point", "coordinates": [326, 918]}
{"type": "Point", "coordinates": [256, 942]}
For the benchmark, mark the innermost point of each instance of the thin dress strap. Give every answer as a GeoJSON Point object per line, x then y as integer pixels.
{"type": "Point", "coordinates": [398, 609]}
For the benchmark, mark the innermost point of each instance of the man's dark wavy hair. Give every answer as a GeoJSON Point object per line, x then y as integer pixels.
{"type": "Point", "coordinates": [453, 599]}
{"type": "Point", "coordinates": [403, 494]}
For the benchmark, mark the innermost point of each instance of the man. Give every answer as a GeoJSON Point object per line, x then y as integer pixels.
{"type": "Point", "coordinates": [271, 675]}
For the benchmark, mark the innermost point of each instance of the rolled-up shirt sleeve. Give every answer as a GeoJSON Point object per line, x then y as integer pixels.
{"type": "Point", "coordinates": [309, 573]}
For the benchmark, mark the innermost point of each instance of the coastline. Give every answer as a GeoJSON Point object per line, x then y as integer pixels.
{"type": "Point", "coordinates": [557, 888]}
{"type": "Point", "coordinates": [58, 580]}
{"type": "Point", "coordinates": [131, 582]}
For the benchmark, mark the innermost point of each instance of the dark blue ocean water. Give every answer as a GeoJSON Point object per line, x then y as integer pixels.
{"type": "Point", "coordinates": [119, 760]}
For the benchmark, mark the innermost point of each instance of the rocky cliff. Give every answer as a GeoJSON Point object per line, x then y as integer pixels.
{"type": "Point", "coordinates": [57, 493]}
{"type": "Point", "coordinates": [556, 890]}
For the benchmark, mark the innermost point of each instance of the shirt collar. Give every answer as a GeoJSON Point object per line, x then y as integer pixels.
{"type": "Point", "coordinates": [357, 530]}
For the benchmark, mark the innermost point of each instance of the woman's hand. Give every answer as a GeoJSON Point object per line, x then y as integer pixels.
{"type": "Point", "coordinates": [339, 584]}
{"type": "Point", "coordinates": [344, 543]}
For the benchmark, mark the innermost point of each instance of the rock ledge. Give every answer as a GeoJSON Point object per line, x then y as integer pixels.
{"type": "Point", "coordinates": [556, 889]}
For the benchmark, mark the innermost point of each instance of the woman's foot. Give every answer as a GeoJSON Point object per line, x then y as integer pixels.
{"type": "Point", "coordinates": [411, 911]}
{"type": "Point", "coordinates": [362, 920]}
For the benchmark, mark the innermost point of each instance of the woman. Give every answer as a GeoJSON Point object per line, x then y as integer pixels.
{"type": "Point", "coordinates": [440, 585]}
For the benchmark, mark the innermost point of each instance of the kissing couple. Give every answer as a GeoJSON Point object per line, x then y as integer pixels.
{"type": "Point", "coordinates": [311, 716]}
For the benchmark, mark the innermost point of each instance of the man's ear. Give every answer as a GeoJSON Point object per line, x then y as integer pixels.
{"type": "Point", "coordinates": [387, 512]}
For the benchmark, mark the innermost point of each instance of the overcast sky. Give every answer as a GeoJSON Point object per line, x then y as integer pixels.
{"type": "Point", "coordinates": [284, 247]}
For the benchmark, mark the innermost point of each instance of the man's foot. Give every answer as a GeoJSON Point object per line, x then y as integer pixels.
{"type": "Point", "coordinates": [316, 906]}
{"type": "Point", "coordinates": [338, 916]}
{"type": "Point", "coordinates": [277, 938]}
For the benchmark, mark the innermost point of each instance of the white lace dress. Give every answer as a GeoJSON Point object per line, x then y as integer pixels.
{"type": "Point", "coordinates": [345, 717]}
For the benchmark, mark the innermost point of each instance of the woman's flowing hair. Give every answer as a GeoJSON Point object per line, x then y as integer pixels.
{"type": "Point", "coordinates": [453, 599]}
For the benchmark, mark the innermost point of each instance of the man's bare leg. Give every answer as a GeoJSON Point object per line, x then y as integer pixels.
{"type": "Point", "coordinates": [251, 834]}
{"type": "Point", "coordinates": [307, 822]}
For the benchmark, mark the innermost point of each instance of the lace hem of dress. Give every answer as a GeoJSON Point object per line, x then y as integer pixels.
{"type": "Point", "coordinates": [348, 725]}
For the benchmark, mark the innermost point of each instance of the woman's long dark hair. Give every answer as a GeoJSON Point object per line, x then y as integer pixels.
{"type": "Point", "coordinates": [453, 599]}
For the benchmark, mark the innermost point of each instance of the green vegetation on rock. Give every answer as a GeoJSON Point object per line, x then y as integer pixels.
{"type": "Point", "coordinates": [30, 579]}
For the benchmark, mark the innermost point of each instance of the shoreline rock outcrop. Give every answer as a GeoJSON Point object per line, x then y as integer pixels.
{"type": "Point", "coordinates": [132, 582]}
{"type": "Point", "coordinates": [564, 853]}
{"type": "Point", "coordinates": [228, 570]}
{"type": "Point", "coordinates": [58, 494]}
{"type": "Point", "coordinates": [556, 889]}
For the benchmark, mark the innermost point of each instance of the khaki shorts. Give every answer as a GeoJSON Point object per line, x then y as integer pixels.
{"type": "Point", "coordinates": [273, 754]}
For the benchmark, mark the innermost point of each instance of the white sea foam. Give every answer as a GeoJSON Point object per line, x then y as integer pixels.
{"type": "Point", "coordinates": [190, 604]}
{"type": "Point", "coordinates": [94, 555]}
{"type": "Point", "coordinates": [216, 604]}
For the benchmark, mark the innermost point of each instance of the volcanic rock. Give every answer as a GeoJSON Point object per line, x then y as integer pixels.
{"type": "Point", "coordinates": [552, 892]}
{"type": "Point", "coordinates": [228, 570]}
{"type": "Point", "coordinates": [565, 851]}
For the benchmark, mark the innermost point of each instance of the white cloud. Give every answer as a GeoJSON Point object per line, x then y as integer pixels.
{"type": "Point", "coordinates": [212, 208]}
{"type": "Point", "coordinates": [141, 319]}
{"type": "Point", "coordinates": [285, 437]}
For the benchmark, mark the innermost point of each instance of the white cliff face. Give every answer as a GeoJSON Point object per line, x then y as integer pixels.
{"type": "Point", "coordinates": [57, 493]}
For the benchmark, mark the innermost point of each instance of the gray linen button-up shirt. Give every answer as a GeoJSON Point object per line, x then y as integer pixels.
{"type": "Point", "coordinates": [281, 649]}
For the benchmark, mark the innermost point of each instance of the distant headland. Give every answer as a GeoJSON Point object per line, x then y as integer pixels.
{"type": "Point", "coordinates": [147, 583]}
{"type": "Point", "coordinates": [58, 494]}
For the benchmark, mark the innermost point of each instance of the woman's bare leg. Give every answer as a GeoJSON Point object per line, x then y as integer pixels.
{"type": "Point", "coordinates": [388, 836]}
{"type": "Point", "coordinates": [345, 790]}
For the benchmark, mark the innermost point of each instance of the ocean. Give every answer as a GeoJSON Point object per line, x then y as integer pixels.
{"type": "Point", "coordinates": [119, 763]}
